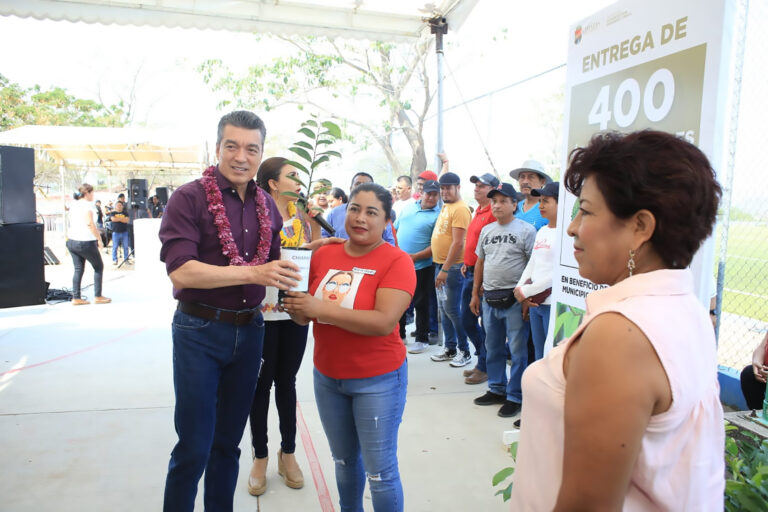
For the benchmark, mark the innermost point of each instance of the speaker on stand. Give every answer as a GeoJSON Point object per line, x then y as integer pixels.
{"type": "Point", "coordinates": [162, 195]}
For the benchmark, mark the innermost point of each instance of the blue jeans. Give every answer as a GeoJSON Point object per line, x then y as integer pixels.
{"type": "Point", "coordinates": [434, 326]}
{"type": "Point", "coordinates": [505, 327]}
{"type": "Point", "coordinates": [539, 317]}
{"type": "Point", "coordinates": [450, 310]}
{"type": "Point", "coordinates": [215, 368]}
{"type": "Point", "coordinates": [474, 330]}
{"type": "Point", "coordinates": [120, 239]}
{"type": "Point", "coordinates": [361, 418]}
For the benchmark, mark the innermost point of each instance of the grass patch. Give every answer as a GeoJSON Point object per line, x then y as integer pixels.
{"type": "Point", "coordinates": [746, 270]}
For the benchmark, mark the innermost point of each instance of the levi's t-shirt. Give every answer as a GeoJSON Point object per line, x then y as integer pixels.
{"type": "Point", "coordinates": [352, 282]}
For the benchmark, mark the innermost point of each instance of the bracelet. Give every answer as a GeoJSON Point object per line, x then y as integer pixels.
{"type": "Point", "coordinates": [443, 270]}
{"type": "Point", "coordinates": [712, 312]}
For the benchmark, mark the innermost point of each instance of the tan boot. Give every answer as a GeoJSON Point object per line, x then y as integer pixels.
{"type": "Point", "coordinates": [476, 378]}
{"type": "Point", "coordinates": [102, 300]}
{"type": "Point", "coordinates": [80, 302]}
{"type": "Point", "coordinates": [291, 473]}
{"type": "Point", "coordinates": [468, 373]}
{"type": "Point", "coordinates": [257, 479]}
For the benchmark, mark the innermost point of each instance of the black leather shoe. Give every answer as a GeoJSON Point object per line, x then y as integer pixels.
{"type": "Point", "coordinates": [490, 399]}
{"type": "Point", "coordinates": [509, 409]}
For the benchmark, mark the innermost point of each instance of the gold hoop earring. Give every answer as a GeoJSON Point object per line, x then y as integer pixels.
{"type": "Point", "coordinates": [631, 262]}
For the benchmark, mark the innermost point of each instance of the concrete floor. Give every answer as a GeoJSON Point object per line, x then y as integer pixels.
{"type": "Point", "coordinates": [86, 414]}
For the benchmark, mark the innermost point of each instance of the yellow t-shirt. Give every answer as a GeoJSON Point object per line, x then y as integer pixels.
{"type": "Point", "coordinates": [453, 215]}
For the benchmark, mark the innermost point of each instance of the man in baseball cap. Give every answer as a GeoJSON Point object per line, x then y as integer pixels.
{"type": "Point", "coordinates": [530, 176]}
{"type": "Point", "coordinates": [448, 255]}
{"type": "Point", "coordinates": [420, 179]}
{"type": "Point", "coordinates": [503, 251]}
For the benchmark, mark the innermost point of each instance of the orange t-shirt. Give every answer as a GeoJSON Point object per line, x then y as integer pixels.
{"type": "Point", "coordinates": [352, 282]}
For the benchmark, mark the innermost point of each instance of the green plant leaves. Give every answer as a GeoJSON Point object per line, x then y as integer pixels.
{"type": "Point", "coordinates": [304, 144]}
{"type": "Point", "coordinates": [746, 458]}
{"type": "Point", "coordinates": [502, 475]}
{"type": "Point", "coordinates": [333, 129]}
{"type": "Point", "coordinates": [303, 153]}
{"type": "Point", "coordinates": [320, 160]}
{"type": "Point", "coordinates": [297, 165]}
{"type": "Point", "coordinates": [309, 133]}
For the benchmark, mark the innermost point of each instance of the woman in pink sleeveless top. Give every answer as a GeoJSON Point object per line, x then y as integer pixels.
{"type": "Point", "coordinates": [625, 414]}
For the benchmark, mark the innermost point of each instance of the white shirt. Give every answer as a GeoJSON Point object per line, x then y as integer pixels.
{"type": "Point", "coordinates": [78, 223]}
{"type": "Point", "coordinates": [541, 264]}
{"type": "Point", "coordinates": [400, 204]}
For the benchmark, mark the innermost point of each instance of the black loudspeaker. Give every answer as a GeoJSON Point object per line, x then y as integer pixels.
{"type": "Point", "coordinates": [162, 195]}
{"type": "Point", "coordinates": [137, 194]}
{"type": "Point", "coordinates": [17, 196]}
{"type": "Point", "coordinates": [22, 280]}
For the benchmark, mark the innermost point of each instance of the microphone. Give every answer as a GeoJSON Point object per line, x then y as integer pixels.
{"type": "Point", "coordinates": [318, 217]}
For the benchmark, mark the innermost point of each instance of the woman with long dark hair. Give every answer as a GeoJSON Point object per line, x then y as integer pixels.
{"type": "Point", "coordinates": [284, 339]}
{"type": "Point", "coordinates": [83, 243]}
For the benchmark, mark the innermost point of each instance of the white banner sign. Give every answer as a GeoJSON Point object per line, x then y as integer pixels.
{"type": "Point", "coordinates": [640, 64]}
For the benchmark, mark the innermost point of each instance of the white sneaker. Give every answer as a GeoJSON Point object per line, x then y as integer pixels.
{"type": "Point", "coordinates": [461, 359]}
{"type": "Point", "coordinates": [417, 347]}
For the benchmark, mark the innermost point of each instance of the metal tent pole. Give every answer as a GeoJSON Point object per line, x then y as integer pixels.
{"type": "Point", "coordinates": [439, 27]}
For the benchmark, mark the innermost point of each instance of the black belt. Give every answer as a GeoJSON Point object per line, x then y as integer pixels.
{"type": "Point", "coordinates": [243, 317]}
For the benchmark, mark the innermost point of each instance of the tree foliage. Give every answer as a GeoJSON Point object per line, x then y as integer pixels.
{"type": "Point", "coordinates": [21, 106]}
{"type": "Point", "coordinates": [335, 78]}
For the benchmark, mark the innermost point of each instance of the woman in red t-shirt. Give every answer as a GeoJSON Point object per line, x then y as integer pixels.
{"type": "Point", "coordinates": [357, 293]}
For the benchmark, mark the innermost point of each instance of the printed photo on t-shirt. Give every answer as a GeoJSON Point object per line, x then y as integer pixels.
{"type": "Point", "coordinates": [339, 287]}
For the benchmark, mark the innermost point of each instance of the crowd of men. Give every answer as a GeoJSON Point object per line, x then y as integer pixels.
{"type": "Point", "coordinates": [483, 273]}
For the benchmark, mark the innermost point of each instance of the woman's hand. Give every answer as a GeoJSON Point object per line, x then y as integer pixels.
{"type": "Point", "coordinates": [759, 366]}
{"type": "Point", "coordinates": [316, 244]}
{"type": "Point", "coordinates": [760, 371]}
{"type": "Point", "coordinates": [302, 304]}
{"type": "Point", "coordinates": [519, 294]}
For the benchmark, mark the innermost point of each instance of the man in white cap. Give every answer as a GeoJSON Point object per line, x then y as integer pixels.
{"type": "Point", "coordinates": [530, 176]}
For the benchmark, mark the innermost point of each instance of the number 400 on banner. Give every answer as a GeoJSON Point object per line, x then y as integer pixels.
{"type": "Point", "coordinates": [644, 96]}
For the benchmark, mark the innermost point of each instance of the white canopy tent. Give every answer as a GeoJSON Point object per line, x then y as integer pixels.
{"type": "Point", "coordinates": [113, 149]}
{"type": "Point", "coordinates": [385, 20]}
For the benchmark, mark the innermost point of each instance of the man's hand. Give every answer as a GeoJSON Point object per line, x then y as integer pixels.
{"type": "Point", "coordinates": [474, 304]}
{"type": "Point", "coordinates": [281, 274]}
{"type": "Point", "coordinates": [440, 279]}
{"type": "Point", "coordinates": [519, 294]}
{"type": "Point", "coordinates": [463, 271]}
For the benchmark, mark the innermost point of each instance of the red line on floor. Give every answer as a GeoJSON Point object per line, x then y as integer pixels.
{"type": "Point", "coordinates": [326, 504]}
{"type": "Point", "coordinates": [86, 349]}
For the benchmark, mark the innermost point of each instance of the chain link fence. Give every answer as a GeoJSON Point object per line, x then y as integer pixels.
{"type": "Point", "coordinates": [742, 233]}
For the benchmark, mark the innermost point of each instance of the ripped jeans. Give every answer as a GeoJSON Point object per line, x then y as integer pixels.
{"type": "Point", "coordinates": [361, 418]}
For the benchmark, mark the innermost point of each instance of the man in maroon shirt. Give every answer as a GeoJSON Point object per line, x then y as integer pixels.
{"type": "Point", "coordinates": [470, 322]}
{"type": "Point", "coordinates": [217, 327]}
